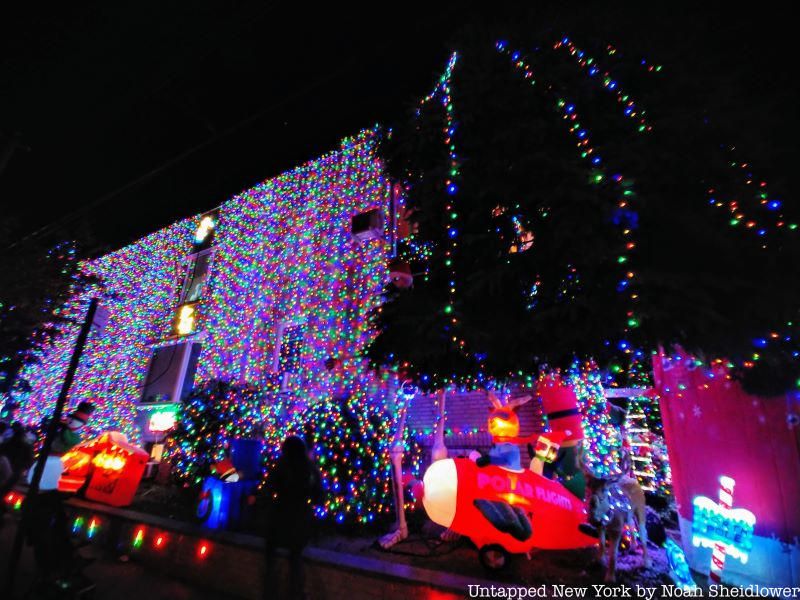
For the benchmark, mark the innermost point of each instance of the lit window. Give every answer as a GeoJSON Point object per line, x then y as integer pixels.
{"type": "Point", "coordinates": [185, 319]}
{"type": "Point", "coordinates": [289, 350]}
{"type": "Point", "coordinates": [194, 277]}
{"type": "Point", "coordinates": [204, 229]}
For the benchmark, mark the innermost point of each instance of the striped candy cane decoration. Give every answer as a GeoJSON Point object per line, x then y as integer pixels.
{"type": "Point", "coordinates": [718, 554]}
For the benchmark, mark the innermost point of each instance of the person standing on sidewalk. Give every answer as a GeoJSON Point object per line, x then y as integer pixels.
{"type": "Point", "coordinates": [292, 487]}
{"type": "Point", "coordinates": [47, 522]}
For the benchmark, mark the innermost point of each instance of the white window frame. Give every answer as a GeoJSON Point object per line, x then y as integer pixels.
{"type": "Point", "coordinates": [175, 398]}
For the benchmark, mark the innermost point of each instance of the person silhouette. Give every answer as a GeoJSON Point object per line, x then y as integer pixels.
{"type": "Point", "coordinates": [292, 487]}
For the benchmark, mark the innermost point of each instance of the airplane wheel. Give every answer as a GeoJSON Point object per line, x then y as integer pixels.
{"type": "Point", "coordinates": [494, 557]}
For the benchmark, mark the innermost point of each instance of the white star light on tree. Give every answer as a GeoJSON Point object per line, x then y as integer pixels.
{"type": "Point", "coordinates": [697, 411]}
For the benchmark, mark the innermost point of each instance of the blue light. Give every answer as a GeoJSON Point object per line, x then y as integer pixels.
{"type": "Point", "coordinates": [452, 189]}
{"type": "Point", "coordinates": [452, 233]}
{"type": "Point", "coordinates": [760, 342]}
{"type": "Point", "coordinates": [774, 205]}
{"type": "Point", "coordinates": [569, 108]}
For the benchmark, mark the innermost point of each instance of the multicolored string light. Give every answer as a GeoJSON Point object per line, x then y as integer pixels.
{"type": "Point", "coordinates": [442, 91]}
{"type": "Point", "coordinates": [283, 254]}
{"type": "Point", "coordinates": [604, 78]}
{"type": "Point", "coordinates": [625, 216]}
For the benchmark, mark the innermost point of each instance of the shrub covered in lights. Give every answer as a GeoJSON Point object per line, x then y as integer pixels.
{"type": "Point", "coordinates": [347, 436]}
{"type": "Point", "coordinates": [216, 413]}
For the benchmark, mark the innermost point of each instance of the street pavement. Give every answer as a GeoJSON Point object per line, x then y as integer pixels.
{"type": "Point", "coordinates": [115, 579]}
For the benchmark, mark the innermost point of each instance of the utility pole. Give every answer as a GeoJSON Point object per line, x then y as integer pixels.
{"type": "Point", "coordinates": [52, 429]}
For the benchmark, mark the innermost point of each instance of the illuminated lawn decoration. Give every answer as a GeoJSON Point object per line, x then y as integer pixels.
{"type": "Point", "coordinates": [138, 538]}
{"type": "Point", "coordinates": [77, 525]}
{"type": "Point", "coordinates": [14, 500]}
{"type": "Point", "coordinates": [453, 489]}
{"type": "Point", "coordinates": [727, 531]}
{"type": "Point", "coordinates": [93, 528]}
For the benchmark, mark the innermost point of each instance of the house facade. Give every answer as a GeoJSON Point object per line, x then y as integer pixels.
{"type": "Point", "coordinates": [272, 289]}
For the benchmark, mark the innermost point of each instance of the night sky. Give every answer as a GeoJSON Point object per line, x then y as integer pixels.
{"type": "Point", "coordinates": [130, 115]}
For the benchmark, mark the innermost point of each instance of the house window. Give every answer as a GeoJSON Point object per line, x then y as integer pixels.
{"type": "Point", "coordinates": [170, 374]}
{"type": "Point", "coordinates": [195, 273]}
{"type": "Point", "coordinates": [288, 350]}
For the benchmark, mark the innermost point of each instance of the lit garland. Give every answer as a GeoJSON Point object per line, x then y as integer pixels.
{"type": "Point", "coordinates": [650, 67]}
{"type": "Point", "coordinates": [770, 207]}
{"type": "Point", "coordinates": [740, 215]}
{"type": "Point", "coordinates": [607, 81]}
{"type": "Point", "coordinates": [442, 90]}
{"type": "Point", "coordinates": [625, 217]}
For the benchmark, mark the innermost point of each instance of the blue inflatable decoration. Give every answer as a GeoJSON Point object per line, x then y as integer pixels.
{"type": "Point", "coordinates": [222, 504]}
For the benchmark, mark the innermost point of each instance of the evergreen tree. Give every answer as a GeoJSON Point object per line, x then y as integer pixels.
{"type": "Point", "coordinates": [37, 282]}
{"type": "Point", "coordinates": [584, 215]}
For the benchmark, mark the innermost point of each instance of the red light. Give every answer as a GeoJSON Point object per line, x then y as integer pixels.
{"type": "Point", "coordinates": [10, 498]}
{"type": "Point", "coordinates": [202, 550]}
{"type": "Point", "coordinates": [160, 541]}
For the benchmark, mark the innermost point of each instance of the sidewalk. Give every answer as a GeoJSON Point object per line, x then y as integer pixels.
{"type": "Point", "coordinates": [114, 579]}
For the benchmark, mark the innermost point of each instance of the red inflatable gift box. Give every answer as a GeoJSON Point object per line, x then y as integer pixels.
{"type": "Point", "coordinates": [113, 467]}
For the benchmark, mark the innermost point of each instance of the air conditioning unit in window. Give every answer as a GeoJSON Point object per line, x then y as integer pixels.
{"type": "Point", "coordinates": [367, 225]}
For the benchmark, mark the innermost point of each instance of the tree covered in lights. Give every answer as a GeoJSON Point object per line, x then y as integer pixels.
{"type": "Point", "coordinates": [36, 283]}
{"type": "Point", "coordinates": [563, 209]}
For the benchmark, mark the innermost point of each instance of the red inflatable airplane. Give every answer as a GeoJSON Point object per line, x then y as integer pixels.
{"type": "Point", "coordinates": [502, 507]}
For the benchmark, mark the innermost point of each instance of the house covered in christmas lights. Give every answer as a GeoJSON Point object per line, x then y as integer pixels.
{"type": "Point", "coordinates": [270, 289]}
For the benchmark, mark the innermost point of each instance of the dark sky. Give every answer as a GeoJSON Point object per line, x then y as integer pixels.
{"type": "Point", "coordinates": [140, 113]}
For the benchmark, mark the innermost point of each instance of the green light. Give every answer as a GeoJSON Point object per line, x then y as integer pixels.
{"type": "Point", "coordinates": [448, 309]}
{"type": "Point", "coordinates": [138, 538]}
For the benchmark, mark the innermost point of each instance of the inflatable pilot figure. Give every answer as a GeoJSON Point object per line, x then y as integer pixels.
{"type": "Point", "coordinates": [504, 427]}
